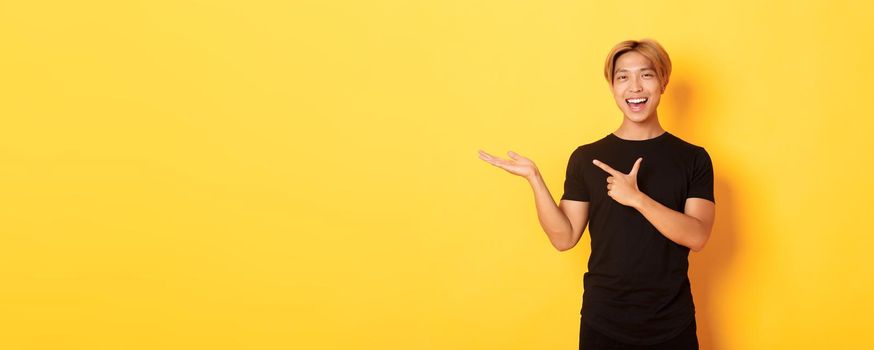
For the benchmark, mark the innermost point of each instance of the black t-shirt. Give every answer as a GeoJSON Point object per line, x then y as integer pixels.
{"type": "Point", "coordinates": [637, 288]}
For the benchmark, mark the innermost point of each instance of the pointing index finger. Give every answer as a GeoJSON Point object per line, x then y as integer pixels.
{"type": "Point", "coordinates": [605, 167]}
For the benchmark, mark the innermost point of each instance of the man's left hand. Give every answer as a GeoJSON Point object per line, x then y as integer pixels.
{"type": "Point", "coordinates": [622, 187]}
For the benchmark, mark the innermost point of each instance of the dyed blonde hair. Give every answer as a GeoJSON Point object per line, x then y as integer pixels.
{"type": "Point", "coordinates": [650, 49]}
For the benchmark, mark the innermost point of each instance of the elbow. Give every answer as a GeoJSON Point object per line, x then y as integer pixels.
{"type": "Point", "coordinates": [563, 239]}
{"type": "Point", "coordinates": [699, 245]}
{"type": "Point", "coordinates": [563, 246]}
{"type": "Point", "coordinates": [700, 239]}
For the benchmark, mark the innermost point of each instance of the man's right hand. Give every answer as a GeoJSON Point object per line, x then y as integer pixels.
{"type": "Point", "coordinates": [516, 165]}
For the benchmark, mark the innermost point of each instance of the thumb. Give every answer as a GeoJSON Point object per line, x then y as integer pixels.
{"type": "Point", "coordinates": [636, 167]}
{"type": "Point", "coordinates": [513, 155]}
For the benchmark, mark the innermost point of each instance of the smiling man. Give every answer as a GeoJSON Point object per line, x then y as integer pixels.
{"type": "Point", "coordinates": [647, 197]}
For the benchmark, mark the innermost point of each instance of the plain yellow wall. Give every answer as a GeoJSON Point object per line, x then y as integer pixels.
{"type": "Point", "coordinates": [304, 175]}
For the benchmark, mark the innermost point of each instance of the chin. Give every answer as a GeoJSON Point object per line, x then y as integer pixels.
{"type": "Point", "coordinates": [637, 118]}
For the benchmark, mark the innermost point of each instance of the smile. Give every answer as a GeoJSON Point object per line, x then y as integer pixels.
{"type": "Point", "coordinates": [636, 104]}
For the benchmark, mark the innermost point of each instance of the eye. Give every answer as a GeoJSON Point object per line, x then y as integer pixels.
{"type": "Point", "coordinates": [620, 77]}
{"type": "Point", "coordinates": [647, 74]}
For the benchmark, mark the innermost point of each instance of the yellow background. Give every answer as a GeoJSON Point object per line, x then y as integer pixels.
{"type": "Point", "coordinates": [304, 175]}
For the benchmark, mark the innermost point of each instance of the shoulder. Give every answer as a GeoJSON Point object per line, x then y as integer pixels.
{"type": "Point", "coordinates": [695, 157]}
{"type": "Point", "coordinates": [687, 147]}
{"type": "Point", "coordinates": [680, 142]}
{"type": "Point", "coordinates": [588, 147]}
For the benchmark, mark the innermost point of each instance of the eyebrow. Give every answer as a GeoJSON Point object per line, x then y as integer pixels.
{"type": "Point", "coordinates": [626, 70]}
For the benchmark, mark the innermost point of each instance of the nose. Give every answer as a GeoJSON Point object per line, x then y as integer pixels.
{"type": "Point", "coordinates": [635, 85]}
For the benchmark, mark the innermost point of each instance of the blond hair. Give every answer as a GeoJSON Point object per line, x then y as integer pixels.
{"type": "Point", "coordinates": [650, 49]}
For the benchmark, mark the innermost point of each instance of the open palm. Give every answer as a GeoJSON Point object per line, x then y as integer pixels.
{"type": "Point", "coordinates": [516, 165]}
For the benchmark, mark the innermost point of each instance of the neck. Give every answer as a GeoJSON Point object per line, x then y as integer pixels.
{"type": "Point", "coordinates": [644, 130]}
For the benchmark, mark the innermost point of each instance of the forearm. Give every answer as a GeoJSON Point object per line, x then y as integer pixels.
{"type": "Point", "coordinates": [552, 219]}
{"type": "Point", "coordinates": [683, 229]}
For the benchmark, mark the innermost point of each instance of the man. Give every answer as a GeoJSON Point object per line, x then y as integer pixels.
{"type": "Point", "coordinates": [647, 198]}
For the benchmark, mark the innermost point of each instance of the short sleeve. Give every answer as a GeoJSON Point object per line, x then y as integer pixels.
{"type": "Point", "coordinates": [574, 187]}
{"type": "Point", "coordinates": [701, 184]}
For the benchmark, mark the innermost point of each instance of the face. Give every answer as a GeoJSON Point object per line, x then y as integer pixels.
{"type": "Point", "coordinates": [635, 79]}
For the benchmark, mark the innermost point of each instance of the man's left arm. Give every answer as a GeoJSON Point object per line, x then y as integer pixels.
{"type": "Point", "coordinates": [690, 228]}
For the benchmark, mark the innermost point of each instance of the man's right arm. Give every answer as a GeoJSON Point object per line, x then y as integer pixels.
{"type": "Point", "coordinates": [564, 223]}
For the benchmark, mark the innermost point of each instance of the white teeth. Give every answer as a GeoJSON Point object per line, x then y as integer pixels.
{"type": "Point", "coordinates": [636, 100]}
